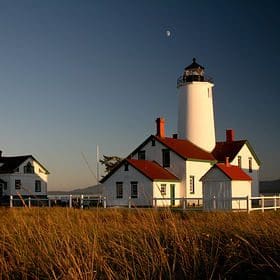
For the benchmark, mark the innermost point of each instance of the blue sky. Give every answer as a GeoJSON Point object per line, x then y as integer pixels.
{"type": "Point", "coordinates": [74, 74]}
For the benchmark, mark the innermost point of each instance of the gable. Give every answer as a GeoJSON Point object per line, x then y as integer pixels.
{"type": "Point", "coordinates": [214, 175]}
{"type": "Point", "coordinates": [37, 166]}
{"type": "Point", "coordinates": [231, 150]}
{"type": "Point", "coordinates": [245, 153]}
{"type": "Point", "coordinates": [227, 149]}
{"type": "Point", "coordinates": [232, 172]}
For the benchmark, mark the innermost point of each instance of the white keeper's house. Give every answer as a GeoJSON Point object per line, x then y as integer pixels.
{"type": "Point", "coordinates": [22, 176]}
{"type": "Point", "coordinates": [182, 166]}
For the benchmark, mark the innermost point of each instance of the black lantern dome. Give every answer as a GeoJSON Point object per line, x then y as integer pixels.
{"type": "Point", "coordinates": [193, 73]}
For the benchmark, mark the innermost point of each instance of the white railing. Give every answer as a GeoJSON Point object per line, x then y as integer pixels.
{"type": "Point", "coordinates": [78, 201]}
{"type": "Point", "coordinates": [195, 203]}
{"type": "Point", "coordinates": [247, 203]}
{"type": "Point", "coordinates": [265, 203]}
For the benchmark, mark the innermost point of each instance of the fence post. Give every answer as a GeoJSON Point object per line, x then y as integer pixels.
{"type": "Point", "coordinates": [49, 202]}
{"type": "Point", "coordinates": [70, 201]}
{"type": "Point", "coordinates": [262, 203]}
{"type": "Point", "coordinates": [11, 201]}
{"type": "Point", "coordinates": [29, 202]}
{"type": "Point", "coordinates": [184, 203]}
{"type": "Point", "coordinates": [104, 202]}
{"type": "Point", "coordinates": [129, 202]}
{"type": "Point", "coordinates": [248, 204]}
{"type": "Point", "coordinates": [214, 202]}
{"type": "Point", "coordinates": [155, 199]}
{"type": "Point", "coordinates": [82, 201]}
{"type": "Point", "coordinates": [275, 203]}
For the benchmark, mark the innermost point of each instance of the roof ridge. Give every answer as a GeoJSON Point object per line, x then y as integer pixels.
{"type": "Point", "coordinates": [242, 140]}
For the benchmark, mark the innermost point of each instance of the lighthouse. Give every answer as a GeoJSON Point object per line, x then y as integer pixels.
{"type": "Point", "coordinates": [196, 114]}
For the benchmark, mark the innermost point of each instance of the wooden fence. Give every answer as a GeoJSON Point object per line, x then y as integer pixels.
{"type": "Point", "coordinates": [248, 204]}
{"type": "Point", "coordinates": [77, 201]}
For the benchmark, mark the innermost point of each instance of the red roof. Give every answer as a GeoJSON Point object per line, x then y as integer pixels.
{"type": "Point", "coordinates": [185, 149]}
{"type": "Point", "coordinates": [152, 170]}
{"type": "Point", "coordinates": [233, 172]}
{"type": "Point", "coordinates": [227, 149]}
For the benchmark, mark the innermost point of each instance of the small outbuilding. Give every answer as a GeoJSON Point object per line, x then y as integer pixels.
{"type": "Point", "coordinates": [226, 187]}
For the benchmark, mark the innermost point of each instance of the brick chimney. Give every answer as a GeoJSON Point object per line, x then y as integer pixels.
{"type": "Point", "coordinates": [160, 127]}
{"type": "Point", "coordinates": [230, 135]}
{"type": "Point", "coordinates": [227, 162]}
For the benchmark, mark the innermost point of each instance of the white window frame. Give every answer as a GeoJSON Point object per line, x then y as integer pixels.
{"type": "Point", "coordinates": [119, 189]}
{"type": "Point", "coordinates": [163, 189]}
{"type": "Point", "coordinates": [134, 189]}
{"type": "Point", "coordinates": [250, 168]}
{"type": "Point", "coordinates": [239, 161]}
{"type": "Point", "coordinates": [38, 186]}
{"type": "Point", "coordinates": [192, 184]}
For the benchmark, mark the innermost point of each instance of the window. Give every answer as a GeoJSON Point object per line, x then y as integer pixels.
{"type": "Point", "coordinates": [142, 155]}
{"type": "Point", "coordinates": [163, 189]}
{"type": "Point", "coordinates": [192, 184]}
{"type": "Point", "coordinates": [165, 158]}
{"type": "Point", "coordinates": [119, 189]}
{"type": "Point", "coordinates": [17, 184]}
{"type": "Point", "coordinates": [126, 166]}
{"type": "Point", "coordinates": [153, 142]}
{"type": "Point", "coordinates": [28, 168]}
{"type": "Point", "coordinates": [37, 186]}
{"type": "Point", "coordinates": [239, 161]}
{"type": "Point", "coordinates": [134, 189]}
{"type": "Point", "coordinates": [250, 165]}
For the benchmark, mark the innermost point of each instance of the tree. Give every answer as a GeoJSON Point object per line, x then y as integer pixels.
{"type": "Point", "coordinates": [110, 162]}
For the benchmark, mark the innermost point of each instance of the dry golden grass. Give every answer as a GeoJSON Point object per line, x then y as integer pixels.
{"type": "Point", "coordinates": [60, 243]}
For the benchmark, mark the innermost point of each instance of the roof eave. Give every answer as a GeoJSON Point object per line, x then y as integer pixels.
{"type": "Point", "coordinates": [213, 161]}
{"type": "Point", "coordinates": [167, 180]}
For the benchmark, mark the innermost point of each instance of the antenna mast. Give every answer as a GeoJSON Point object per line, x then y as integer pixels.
{"type": "Point", "coordinates": [97, 163]}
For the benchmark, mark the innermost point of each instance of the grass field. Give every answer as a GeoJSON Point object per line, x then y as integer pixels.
{"type": "Point", "coordinates": [61, 243]}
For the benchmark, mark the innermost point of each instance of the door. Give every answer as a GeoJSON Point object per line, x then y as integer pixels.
{"type": "Point", "coordinates": [172, 194]}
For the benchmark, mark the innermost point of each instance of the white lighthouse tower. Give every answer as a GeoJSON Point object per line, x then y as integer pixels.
{"type": "Point", "coordinates": [196, 115]}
